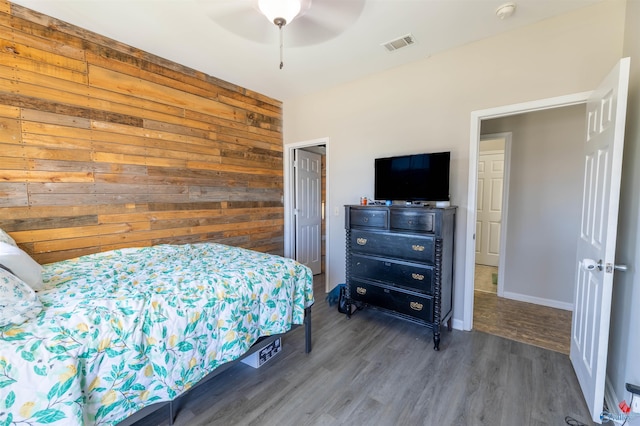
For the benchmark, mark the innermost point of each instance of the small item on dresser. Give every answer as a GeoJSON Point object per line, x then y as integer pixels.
{"type": "Point", "coordinates": [363, 201]}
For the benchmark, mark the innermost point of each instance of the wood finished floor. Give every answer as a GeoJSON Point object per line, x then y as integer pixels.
{"type": "Point", "coordinates": [375, 369]}
{"type": "Point", "coordinates": [537, 325]}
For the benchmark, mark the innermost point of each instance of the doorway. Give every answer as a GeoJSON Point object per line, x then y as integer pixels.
{"type": "Point", "coordinates": [308, 212]}
{"type": "Point", "coordinates": [522, 260]}
{"type": "Point", "coordinates": [491, 210]}
{"type": "Point", "coordinates": [292, 238]}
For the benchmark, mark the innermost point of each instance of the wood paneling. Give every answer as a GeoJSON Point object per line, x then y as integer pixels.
{"type": "Point", "coordinates": [105, 146]}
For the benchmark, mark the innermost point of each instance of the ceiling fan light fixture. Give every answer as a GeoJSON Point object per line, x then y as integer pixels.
{"type": "Point", "coordinates": [282, 12]}
{"type": "Point", "coordinates": [278, 11]}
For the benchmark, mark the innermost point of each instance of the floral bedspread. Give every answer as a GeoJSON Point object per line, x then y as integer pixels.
{"type": "Point", "coordinates": [123, 329]}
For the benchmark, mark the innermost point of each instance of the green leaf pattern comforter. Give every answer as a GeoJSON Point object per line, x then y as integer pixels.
{"type": "Point", "coordinates": [123, 329]}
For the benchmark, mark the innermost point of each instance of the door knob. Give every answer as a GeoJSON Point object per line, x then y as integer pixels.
{"type": "Point", "coordinates": [590, 264]}
{"type": "Point", "coordinates": [611, 267]}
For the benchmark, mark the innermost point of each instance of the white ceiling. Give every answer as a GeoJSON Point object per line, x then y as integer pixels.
{"type": "Point", "coordinates": [230, 40]}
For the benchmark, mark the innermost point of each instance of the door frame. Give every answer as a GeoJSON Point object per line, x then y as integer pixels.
{"type": "Point", "coordinates": [474, 140]}
{"type": "Point", "coordinates": [289, 198]}
{"type": "Point", "coordinates": [504, 214]}
{"type": "Point", "coordinates": [307, 176]}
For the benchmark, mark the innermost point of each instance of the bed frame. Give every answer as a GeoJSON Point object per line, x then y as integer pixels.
{"type": "Point", "coordinates": [174, 405]}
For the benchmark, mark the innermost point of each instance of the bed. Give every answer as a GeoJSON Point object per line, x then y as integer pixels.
{"type": "Point", "coordinates": [121, 330]}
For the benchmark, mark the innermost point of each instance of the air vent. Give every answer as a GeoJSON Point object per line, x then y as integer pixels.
{"type": "Point", "coordinates": [399, 43]}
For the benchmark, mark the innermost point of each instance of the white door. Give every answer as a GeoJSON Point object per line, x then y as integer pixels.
{"type": "Point", "coordinates": [308, 212]}
{"type": "Point", "coordinates": [606, 110]}
{"type": "Point", "coordinates": [489, 208]}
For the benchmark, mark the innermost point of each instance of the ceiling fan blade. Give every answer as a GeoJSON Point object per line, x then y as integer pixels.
{"type": "Point", "coordinates": [324, 20]}
{"type": "Point", "coordinates": [342, 12]}
{"type": "Point", "coordinates": [250, 27]}
{"type": "Point", "coordinates": [306, 31]}
{"type": "Point", "coordinates": [240, 17]}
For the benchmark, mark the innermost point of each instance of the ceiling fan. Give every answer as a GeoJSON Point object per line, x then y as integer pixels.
{"type": "Point", "coordinates": [306, 22]}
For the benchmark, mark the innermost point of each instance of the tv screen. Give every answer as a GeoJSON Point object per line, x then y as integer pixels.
{"type": "Point", "coordinates": [419, 177]}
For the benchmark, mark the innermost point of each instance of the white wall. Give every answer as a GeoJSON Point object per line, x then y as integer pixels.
{"type": "Point", "coordinates": [545, 188]}
{"type": "Point", "coordinates": [491, 145]}
{"type": "Point", "coordinates": [426, 106]}
{"type": "Point", "coordinates": [624, 343]}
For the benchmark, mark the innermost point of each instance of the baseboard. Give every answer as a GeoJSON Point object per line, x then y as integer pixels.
{"type": "Point", "coordinates": [610, 398]}
{"type": "Point", "coordinates": [457, 324]}
{"type": "Point", "coordinates": [538, 301]}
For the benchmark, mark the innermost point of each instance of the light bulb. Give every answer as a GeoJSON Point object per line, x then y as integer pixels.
{"type": "Point", "coordinates": [284, 9]}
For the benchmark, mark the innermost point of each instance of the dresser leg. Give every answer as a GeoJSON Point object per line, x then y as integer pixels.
{"type": "Point", "coordinates": [436, 341]}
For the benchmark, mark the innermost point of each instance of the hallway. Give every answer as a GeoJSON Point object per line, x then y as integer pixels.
{"type": "Point", "coordinates": [541, 326]}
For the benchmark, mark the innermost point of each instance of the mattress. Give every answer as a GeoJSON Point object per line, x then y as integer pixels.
{"type": "Point", "coordinates": [127, 328]}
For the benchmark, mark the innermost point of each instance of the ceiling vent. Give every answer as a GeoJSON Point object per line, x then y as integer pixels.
{"type": "Point", "coordinates": [399, 43]}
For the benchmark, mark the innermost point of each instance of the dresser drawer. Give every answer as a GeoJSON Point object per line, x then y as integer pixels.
{"type": "Point", "coordinates": [408, 275]}
{"type": "Point", "coordinates": [413, 219]}
{"type": "Point", "coordinates": [368, 217]}
{"type": "Point", "coordinates": [418, 248]}
{"type": "Point", "coordinates": [404, 302]}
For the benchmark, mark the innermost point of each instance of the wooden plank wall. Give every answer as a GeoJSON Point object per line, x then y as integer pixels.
{"type": "Point", "coordinates": [105, 146]}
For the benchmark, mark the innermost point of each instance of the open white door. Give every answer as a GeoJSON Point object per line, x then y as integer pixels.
{"type": "Point", "coordinates": [308, 211]}
{"type": "Point", "coordinates": [606, 111]}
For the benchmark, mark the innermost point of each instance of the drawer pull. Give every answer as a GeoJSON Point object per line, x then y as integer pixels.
{"type": "Point", "coordinates": [417, 247]}
{"type": "Point", "coordinates": [418, 277]}
{"type": "Point", "coordinates": [416, 306]}
{"type": "Point", "coordinates": [366, 219]}
{"type": "Point", "coordinates": [361, 241]}
{"type": "Point", "coordinates": [410, 222]}
{"type": "Point", "coordinates": [361, 290]}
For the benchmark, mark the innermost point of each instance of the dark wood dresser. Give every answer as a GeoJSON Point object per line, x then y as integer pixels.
{"type": "Point", "coordinates": [400, 260]}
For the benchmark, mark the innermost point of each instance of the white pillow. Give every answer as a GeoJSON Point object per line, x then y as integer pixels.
{"type": "Point", "coordinates": [6, 238]}
{"type": "Point", "coordinates": [18, 301]}
{"type": "Point", "coordinates": [22, 265]}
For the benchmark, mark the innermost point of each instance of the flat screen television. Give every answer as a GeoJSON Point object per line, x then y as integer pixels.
{"type": "Point", "coordinates": [418, 177]}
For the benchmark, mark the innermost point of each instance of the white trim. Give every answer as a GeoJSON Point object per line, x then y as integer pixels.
{"type": "Point", "coordinates": [491, 151]}
{"type": "Point", "coordinates": [457, 324]}
{"type": "Point", "coordinates": [288, 202]}
{"type": "Point", "coordinates": [538, 300]}
{"type": "Point", "coordinates": [474, 137]}
{"type": "Point", "coordinates": [610, 398]}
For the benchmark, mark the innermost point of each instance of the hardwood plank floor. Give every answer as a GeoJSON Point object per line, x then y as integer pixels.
{"type": "Point", "coordinates": [483, 278]}
{"type": "Point", "coordinates": [375, 369]}
{"type": "Point", "coordinates": [538, 325]}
